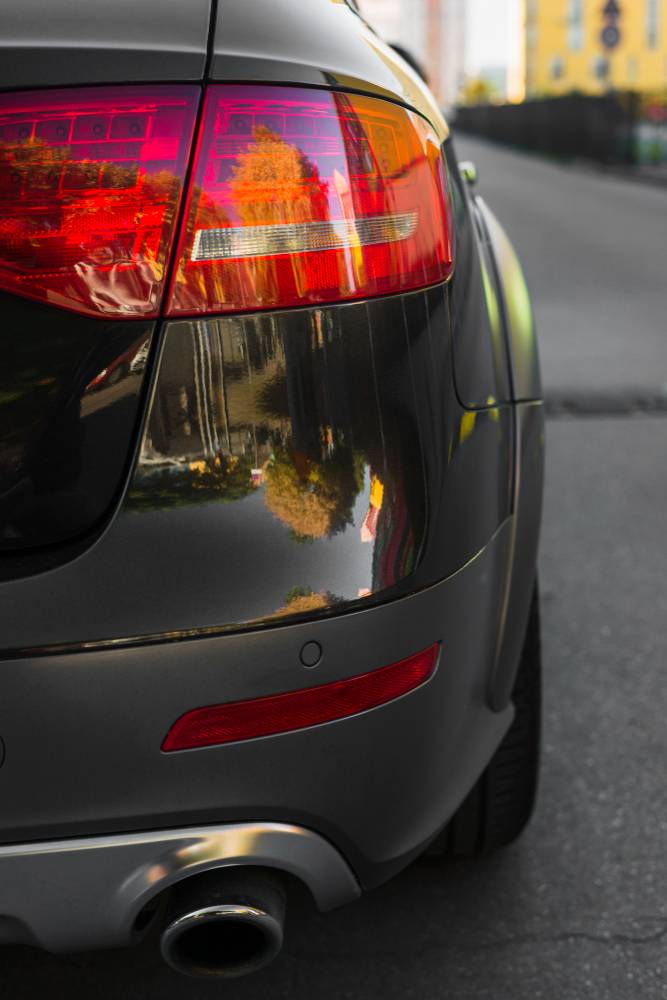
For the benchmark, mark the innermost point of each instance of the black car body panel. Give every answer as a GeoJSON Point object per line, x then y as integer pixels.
{"type": "Point", "coordinates": [482, 370]}
{"type": "Point", "coordinates": [378, 785]}
{"type": "Point", "coordinates": [516, 306]}
{"type": "Point", "coordinates": [200, 564]}
{"type": "Point", "coordinates": [340, 482]}
{"type": "Point", "coordinates": [320, 43]}
{"type": "Point", "coordinates": [60, 43]}
{"type": "Point", "coordinates": [70, 390]}
{"type": "Point", "coordinates": [515, 599]}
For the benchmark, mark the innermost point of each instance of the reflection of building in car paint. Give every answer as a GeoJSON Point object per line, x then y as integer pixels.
{"type": "Point", "coordinates": [395, 549]}
{"type": "Point", "coordinates": [369, 527]}
{"type": "Point", "coordinates": [131, 362]}
{"type": "Point", "coordinates": [298, 430]}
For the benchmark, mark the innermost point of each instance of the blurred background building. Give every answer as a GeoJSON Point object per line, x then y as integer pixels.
{"type": "Point", "coordinates": [592, 46]}
{"type": "Point", "coordinates": [594, 71]}
{"type": "Point", "coordinates": [470, 49]}
{"type": "Point", "coordinates": [476, 51]}
{"type": "Point", "coordinates": [401, 22]}
{"type": "Point", "coordinates": [447, 25]}
{"type": "Point", "coordinates": [433, 31]}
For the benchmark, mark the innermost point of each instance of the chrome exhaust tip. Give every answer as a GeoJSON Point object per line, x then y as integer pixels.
{"type": "Point", "coordinates": [224, 924]}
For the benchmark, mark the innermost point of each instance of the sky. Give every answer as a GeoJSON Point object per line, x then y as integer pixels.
{"type": "Point", "coordinates": [488, 33]}
{"type": "Point", "coordinates": [494, 36]}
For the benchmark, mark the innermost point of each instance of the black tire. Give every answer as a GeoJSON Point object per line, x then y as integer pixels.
{"type": "Point", "coordinates": [500, 805]}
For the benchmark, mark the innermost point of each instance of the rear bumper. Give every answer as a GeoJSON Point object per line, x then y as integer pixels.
{"type": "Point", "coordinates": [80, 894]}
{"type": "Point", "coordinates": [83, 734]}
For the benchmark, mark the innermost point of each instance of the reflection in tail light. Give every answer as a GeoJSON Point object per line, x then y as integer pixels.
{"type": "Point", "coordinates": [90, 184]}
{"type": "Point", "coordinates": [296, 197]}
{"type": "Point", "coordinates": [281, 173]}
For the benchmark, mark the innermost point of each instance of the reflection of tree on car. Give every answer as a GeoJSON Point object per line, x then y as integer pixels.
{"type": "Point", "coordinates": [117, 258]}
{"type": "Point", "coordinates": [221, 479]}
{"type": "Point", "coordinates": [270, 182]}
{"type": "Point", "coordinates": [273, 183]}
{"type": "Point", "coordinates": [303, 600]}
{"type": "Point", "coordinates": [314, 496]}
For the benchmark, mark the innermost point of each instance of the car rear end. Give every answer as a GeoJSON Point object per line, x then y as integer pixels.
{"type": "Point", "coordinates": [265, 448]}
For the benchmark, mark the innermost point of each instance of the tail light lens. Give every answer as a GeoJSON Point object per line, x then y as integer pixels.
{"type": "Point", "coordinates": [90, 185]}
{"type": "Point", "coordinates": [296, 197]}
{"type": "Point", "coordinates": [245, 720]}
{"type": "Point", "coordinates": [303, 196]}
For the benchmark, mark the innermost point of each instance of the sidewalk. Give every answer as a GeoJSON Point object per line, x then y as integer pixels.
{"type": "Point", "coordinates": [647, 174]}
{"type": "Point", "coordinates": [656, 175]}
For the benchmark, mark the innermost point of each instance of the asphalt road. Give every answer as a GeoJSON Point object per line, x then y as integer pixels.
{"type": "Point", "coordinates": [578, 908]}
{"type": "Point", "coordinates": [593, 248]}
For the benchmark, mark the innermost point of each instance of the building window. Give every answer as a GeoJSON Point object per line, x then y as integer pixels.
{"type": "Point", "coordinates": [652, 23]}
{"type": "Point", "coordinates": [557, 68]}
{"type": "Point", "coordinates": [575, 25]}
{"type": "Point", "coordinates": [531, 20]}
{"type": "Point", "coordinates": [600, 67]}
{"type": "Point", "coordinates": [633, 69]}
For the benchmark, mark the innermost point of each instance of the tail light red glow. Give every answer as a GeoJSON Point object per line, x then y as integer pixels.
{"type": "Point", "coordinates": [296, 197]}
{"type": "Point", "coordinates": [281, 173]}
{"type": "Point", "coordinates": [245, 720]}
{"type": "Point", "coordinates": [90, 184]}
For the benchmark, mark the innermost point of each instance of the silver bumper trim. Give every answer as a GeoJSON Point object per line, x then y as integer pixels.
{"type": "Point", "coordinates": [74, 895]}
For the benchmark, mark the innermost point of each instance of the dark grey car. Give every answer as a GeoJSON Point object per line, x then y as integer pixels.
{"type": "Point", "coordinates": [271, 458]}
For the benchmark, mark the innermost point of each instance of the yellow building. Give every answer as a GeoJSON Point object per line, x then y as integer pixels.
{"type": "Point", "coordinates": [566, 50]}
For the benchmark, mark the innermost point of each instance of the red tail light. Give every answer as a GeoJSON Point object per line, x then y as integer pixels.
{"type": "Point", "coordinates": [245, 720]}
{"type": "Point", "coordinates": [305, 196]}
{"type": "Point", "coordinates": [296, 197]}
{"type": "Point", "coordinates": [90, 184]}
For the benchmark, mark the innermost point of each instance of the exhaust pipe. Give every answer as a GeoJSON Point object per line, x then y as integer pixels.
{"type": "Point", "coordinates": [224, 923]}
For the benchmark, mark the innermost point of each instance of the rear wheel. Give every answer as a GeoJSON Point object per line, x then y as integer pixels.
{"type": "Point", "coordinates": [500, 805]}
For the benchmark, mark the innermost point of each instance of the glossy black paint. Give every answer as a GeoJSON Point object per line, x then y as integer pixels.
{"type": "Point", "coordinates": [70, 389]}
{"type": "Point", "coordinates": [522, 550]}
{"type": "Point", "coordinates": [296, 440]}
{"type": "Point", "coordinates": [515, 305]}
{"type": "Point", "coordinates": [291, 441]}
{"type": "Point", "coordinates": [481, 363]}
{"type": "Point", "coordinates": [298, 462]}
{"type": "Point", "coordinates": [320, 43]}
{"type": "Point", "coordinates": [377, 785]}
{"type": "Point", "coordinates": [49, 43]}
{"type": "Point", "coordinates": [415, 388]}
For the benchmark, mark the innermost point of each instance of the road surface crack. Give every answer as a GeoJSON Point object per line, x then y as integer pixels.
{"type": "Point", "coordinates": [565, 937]}
{"type": "Point", "coordinates": [568, 403]}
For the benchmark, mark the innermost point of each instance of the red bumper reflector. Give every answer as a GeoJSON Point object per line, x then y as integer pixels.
{"type": "Point", "coordinates": [281, 713]}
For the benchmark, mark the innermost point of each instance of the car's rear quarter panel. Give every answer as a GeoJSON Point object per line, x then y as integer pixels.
{"type": "Point", "coordinates": [420, 386]}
